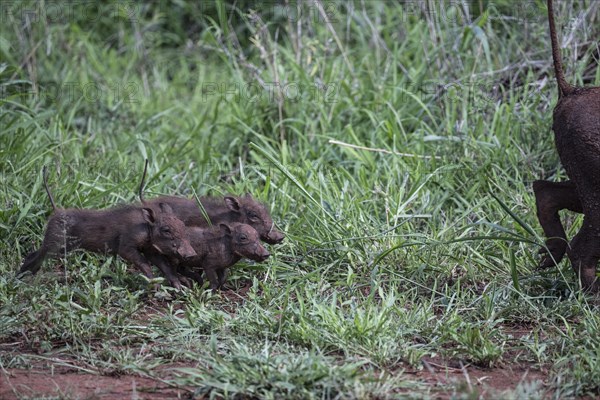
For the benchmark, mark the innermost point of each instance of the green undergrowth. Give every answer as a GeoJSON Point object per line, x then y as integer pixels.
{"type": "Point", "coordinates": [394, 144]}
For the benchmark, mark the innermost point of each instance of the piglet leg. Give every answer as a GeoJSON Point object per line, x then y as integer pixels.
{"type": "Point", "coordinates": [213, 278]}
{"type": "Point", "coordinates": [164, 266]}
{"type": "Point", "coordinates": [136, 258]}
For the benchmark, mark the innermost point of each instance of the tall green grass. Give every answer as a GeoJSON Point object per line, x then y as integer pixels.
{"type": "Point", "coordinates": [395, 144]}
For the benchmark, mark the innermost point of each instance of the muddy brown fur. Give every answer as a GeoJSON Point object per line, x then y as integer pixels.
{"type": "Point", "coordinates": [229, 209]}
{"type": "Point", "coordinates": [218, 248]}
{"type": "Point", "coordinates": [133, 232]}
{"type": "Point", "coordinates": [214, 210]}
{"type": "Point", "coordinates": [576, 126]}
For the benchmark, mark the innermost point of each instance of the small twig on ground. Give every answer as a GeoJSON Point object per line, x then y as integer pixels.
{"type": "Point", "coordinates": [466, 374]}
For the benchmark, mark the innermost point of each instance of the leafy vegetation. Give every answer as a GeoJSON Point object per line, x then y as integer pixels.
{"type": "Point", "coordinates": [395, 144]}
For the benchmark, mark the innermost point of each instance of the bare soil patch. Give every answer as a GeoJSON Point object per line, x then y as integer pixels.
{"type": "Point", "coordinates": [446, 379]}
{"type": "Point", "coordinates": [56, 382]}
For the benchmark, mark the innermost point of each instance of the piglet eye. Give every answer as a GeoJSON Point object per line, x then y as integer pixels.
{"type": "Point", "coordinates": [243, 237]}
{"type": "Point", "coordinates": [166, 232]}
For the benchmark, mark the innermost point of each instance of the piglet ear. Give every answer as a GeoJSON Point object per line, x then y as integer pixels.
{"type": "Point", "coordinates": [233, 203]}
{"type": "Point", "coordinates": [149, 216]}
{"type": "Point", "coordinates": [164, 207]}
{"type": "Point", "coordinates": [225, 229]}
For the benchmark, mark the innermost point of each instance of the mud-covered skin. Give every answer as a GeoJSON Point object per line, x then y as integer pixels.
{"type": "Point", "coordinates": [218, 248]}
{"type": "Point", "coordinates": [229, 209]}
{"type": "Point", "coordinates": [576, 126]}
{"type": "Point", "coordinates": [132, 232]}
{"type": "Point", "coordinates": [577, 137]}
{"type": "Point", "coordinates": [208, 215]}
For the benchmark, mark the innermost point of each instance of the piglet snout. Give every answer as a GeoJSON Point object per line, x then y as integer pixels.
{"type": "Point", "coordinates": [263, 255]}
{"type": "Point", "coordinates": [274, 237]}
{"type": "Point", "coordinates": [187, 251]}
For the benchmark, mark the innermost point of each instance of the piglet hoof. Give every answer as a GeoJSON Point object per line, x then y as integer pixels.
{"type": "Point", "coordinates": [187, 282]}
{"type": "Point", "coordinates": [226, 288]}
{"type": "Point", "coordinates": [177, 285]}
{"type": "Point", "coordinates": [22, 274]}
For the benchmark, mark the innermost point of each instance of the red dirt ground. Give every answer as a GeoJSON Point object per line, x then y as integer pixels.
{"type": "Point", "coordinates": [48, 381]}
{"type": "Point", "coordinates": [63, 383]}
{"type": "Point", "coordinates": [490, 383]}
